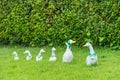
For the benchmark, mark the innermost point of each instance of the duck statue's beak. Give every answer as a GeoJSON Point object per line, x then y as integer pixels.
{"type": "Point", "coordinates": [43, 51]}
{"type": "Point", "coordinates": [85, 45]}
{"type": "Point", "coordinates": [73, 41]}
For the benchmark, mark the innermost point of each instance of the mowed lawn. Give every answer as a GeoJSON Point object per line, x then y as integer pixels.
{"type": "Point", "coordinates": [108, 67]}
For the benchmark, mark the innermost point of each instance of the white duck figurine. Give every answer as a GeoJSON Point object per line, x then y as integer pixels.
{"type": "Point", "coordinates": [68, 56]}
{"type": "Point", "coordinates": [92, 56]}
{"type": "Point", "coordinates": [29, 56]}
{"type": "Point", "coordinates": [39, 56]}
{"type": "Point", "coordinates": [53, 56]}
{"type": "Point", "coordinates": [15, 55]}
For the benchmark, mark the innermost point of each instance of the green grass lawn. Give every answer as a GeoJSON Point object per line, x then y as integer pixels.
{"type": "Point", "coordinates": [107, 69]}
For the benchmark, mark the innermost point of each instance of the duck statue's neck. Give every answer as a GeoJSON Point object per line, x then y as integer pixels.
{"type": "Point", "coordinates": [40, 53]}
{"type": "Point", "coordinates": [91, 49]}
{"type": "Point", "coordinates": [53, 53]}
{"type": "Point", "coordinates": [68, 45]}
{"type": "Point", "coordinates": [15, 55]}
{"type": "Point", "coordinates": [29, 54]}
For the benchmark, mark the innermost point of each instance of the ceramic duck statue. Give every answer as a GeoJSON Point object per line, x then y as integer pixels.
{"type": "Point", "coordinates": [39, 56]}
{"type": "Point", "coordinates": [92, 56]}
{"type": "Point", "coordinates": [53, 56]}
{"type": "Point", "coordinates": [68, 56]}
{"type": "Point", "coordinates": [29, 56]}
{"type": "Point", "coordinates": [15, 55]}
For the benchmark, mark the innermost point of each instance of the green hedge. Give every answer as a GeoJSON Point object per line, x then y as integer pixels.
{"type": "Point", "coordinates": [52, 22]}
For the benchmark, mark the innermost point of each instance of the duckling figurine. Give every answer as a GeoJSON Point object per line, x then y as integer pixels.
{"type": "Point", "coordinates": [53, 56]}
{"type": "Point", "coordinates": [92, 56]}
{"type": "Point", "coordinates": [39, 56]}
{"type": "Point", "coordinates": [15, 55]}
{"type": "Point", "coordinates": [68, 56]}
{"type": "Point", "coordinates": [29, 56]}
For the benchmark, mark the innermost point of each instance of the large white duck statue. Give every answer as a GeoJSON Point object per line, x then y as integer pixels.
{"type": "Point", "coordinates": [68, 56]}
{"type": "Point", "coordinates": [29, 56]}
{"type": "Point", "coordinates": [39, 56]}
{"type": "Point", "coordinates": [92, 56]}
{"type": "Point", "coordinates": [15, 55]}
{"type": "Point", "coordinates": [53, 56]}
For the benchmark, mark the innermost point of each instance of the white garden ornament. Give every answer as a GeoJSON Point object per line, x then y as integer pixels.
{"type": "Point", "coordinates": [39, 56]}
{"type": "Point", "coordinates": [53, 56]}
{"type": "Point", "coordinates": [29, 56]}
{"type": "Point", "coordinates": [92, 56]}
{"type": "Point", "coordinates": [68, 55]}
{"type": "Point", "coordinates": [15, 55]}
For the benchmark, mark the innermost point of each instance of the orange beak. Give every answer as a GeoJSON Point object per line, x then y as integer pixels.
{"type": "Point", "coordinates": [85, 45]}
{"type": "Point", "coordinates": [73, 42]}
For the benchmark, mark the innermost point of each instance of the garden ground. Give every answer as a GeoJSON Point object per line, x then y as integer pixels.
{"type": "Point", "coordinates": [107, 69]}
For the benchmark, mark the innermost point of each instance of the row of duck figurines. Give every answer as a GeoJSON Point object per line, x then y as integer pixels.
{"type": "Point", "coordinates": [67, 56]}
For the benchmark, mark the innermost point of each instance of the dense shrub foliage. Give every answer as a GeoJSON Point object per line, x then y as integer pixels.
{"type": "Point", "coordinates": [43, 22]}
